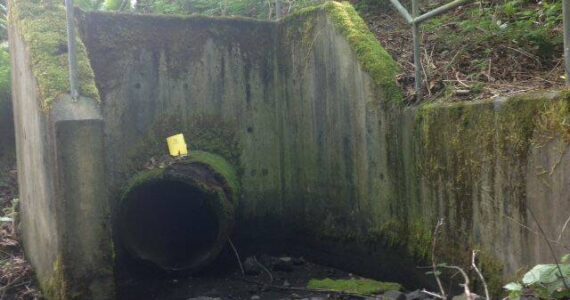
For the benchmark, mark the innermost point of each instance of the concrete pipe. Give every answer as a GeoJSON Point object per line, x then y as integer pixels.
{"type": "Point", "coordinates": [179, 217]}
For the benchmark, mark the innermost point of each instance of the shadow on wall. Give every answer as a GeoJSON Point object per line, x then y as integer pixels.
{"type": "Point", "coordinates": [7, 142]}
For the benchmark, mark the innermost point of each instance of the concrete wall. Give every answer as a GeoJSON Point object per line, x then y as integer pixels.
{"type": "Point", "coordinates": [7, 143]}
{"type": "Point", "coordinates": [329, 162]}
{"type": "Point", "coordinates": [63, 200]}
{"type": "Point", "coordinates": [326, 159]}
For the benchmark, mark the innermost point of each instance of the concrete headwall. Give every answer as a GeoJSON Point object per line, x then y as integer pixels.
{"type": "Point", "coordinates": [307, 109]}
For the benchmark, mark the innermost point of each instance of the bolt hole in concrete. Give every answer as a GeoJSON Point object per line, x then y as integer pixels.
{"type": "Point", "coordinates": [168, 224]}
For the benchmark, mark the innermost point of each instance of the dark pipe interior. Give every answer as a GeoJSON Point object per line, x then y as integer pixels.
{"type": "Point", "coordinates": [168, 223]}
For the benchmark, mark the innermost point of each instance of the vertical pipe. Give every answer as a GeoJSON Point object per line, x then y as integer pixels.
{"type": "Point", "coordinates": [71, 50]}
{"type": "Point", "coordinates": [277, 9]}
{"type": "Point", "coordinates": [566, 13]}
{"type": "Point", "coordinates": [417, 61]}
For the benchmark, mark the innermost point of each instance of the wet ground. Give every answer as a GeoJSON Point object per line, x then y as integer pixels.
{"type": "Point", "coordinates": [265, 277]}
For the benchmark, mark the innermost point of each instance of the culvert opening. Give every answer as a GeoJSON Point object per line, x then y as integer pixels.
{"type": "Point", "coordinates": [170, 224]}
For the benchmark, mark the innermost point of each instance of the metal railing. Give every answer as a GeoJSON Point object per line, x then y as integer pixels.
{"type": "Point", "coordinates": [416, 20]}
{"type": "Point", "coordinates": [413, 19]}
{"type": "Point", "coordinates": [72, 50]}
{"type": "Point", "coordinates": [566, 20]}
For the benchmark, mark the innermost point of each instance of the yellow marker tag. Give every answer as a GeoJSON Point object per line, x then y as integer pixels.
{"type": "Point", "coordinates": [177, 145]}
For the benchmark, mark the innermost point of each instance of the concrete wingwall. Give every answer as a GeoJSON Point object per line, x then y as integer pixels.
{"type": "Point", "coordinates": [329, 159]}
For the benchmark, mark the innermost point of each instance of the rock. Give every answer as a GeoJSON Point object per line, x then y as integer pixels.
{"type": "Point", "coordinates": [286, 283]}
{"type": "Point", "coordinates": [284, 264]}
{"type": "Point", "coordinates": [251, 267]}
{"type": "Point", "coordinates": [464, 297]}
{"type": "Point", "coordinates": [394, 295]}
{"type": "Point", "coordinates": [255, 297]}
{"type": "Point", "coordinates": [213, 293]}
{"type": "Point", "coordinates": [416, 295]}
{"type": "Point", "coordinates": [298, 261]}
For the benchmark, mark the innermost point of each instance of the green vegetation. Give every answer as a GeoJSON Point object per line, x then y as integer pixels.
{"type": "Point", "coordinates": [43, 29]}
{"type": "Point", "coordinates": [361, 286]}
{"type": "Point", "coordinates": [250, 8]}
{"type": "Point", "coordinates": [4, 74]}
{"type": "Point", "coordinates": [544, 281]}
{"type": "Point", "coordinates": [372, 56]}
{"type": "Point", "coordinates": [517, 23]}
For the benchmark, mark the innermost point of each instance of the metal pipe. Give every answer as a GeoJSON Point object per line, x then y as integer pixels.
{"type": "Point", "coordinates": [71, 50]}
{"type": "Point", "coordinates": [402, 10]}
{"type": "Point", "coordinates": [438, 11]}
{"type": "Point", "coordinates": [277, 9]}
{"type": "Point", "coordinates": [178, 218]}
{"type": "Point", "coordinates": [417, 59]}
{"type": "Point", "coordinates": [566, 13]}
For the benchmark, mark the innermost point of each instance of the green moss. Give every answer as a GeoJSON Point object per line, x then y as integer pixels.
{"type": "Point", "coordinates": [142, 178]}
{"type": "Point", "coordinates": [373, 58]}
{"type": "Point", "coordinates": [215, 163]}
{"type": "Point", "coordinates": [414, 237]}
{"type": "Point", "coordinates": [220, 166]}
{"type": "Point", "coordinates": [53, 288]}
{"type": "Point", "coordinates": [42, 25]}
{"type": "Point", "coordinates": [361, 286]}
{"type": "Point", "coordinates": [465, 146]}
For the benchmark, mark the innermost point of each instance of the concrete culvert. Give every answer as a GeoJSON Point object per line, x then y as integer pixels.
{"type": "Point", "coordinates": [179, 217]}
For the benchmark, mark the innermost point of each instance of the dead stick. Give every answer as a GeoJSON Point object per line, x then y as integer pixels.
{"type": "Point", "coordinates": [237, 256]}
{"type": "Point", "coordinates": [479, 274]}
{"type": "Point", "coordinates": [433, 264]}
{"type": "Point", "coordinates": [264, 269]}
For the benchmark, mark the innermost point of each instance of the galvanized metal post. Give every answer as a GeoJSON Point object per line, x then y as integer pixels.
{"type": "Point", "coordinates": [277, 9]}
{"type": "Point", "coordinates": [71, 50]}
{"type": "Point", "coordinates": [566, 13]}
{"type": "Point", "coordinates": [417, 58]}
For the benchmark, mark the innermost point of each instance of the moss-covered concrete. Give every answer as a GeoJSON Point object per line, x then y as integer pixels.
{"type": "Point", "coordinates": [43, 28]}
{"type": "Point", "coordinates": [327, 159]}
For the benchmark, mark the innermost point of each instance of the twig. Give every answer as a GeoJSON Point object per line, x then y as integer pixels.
{"type": "Point", "coordinates": [549, 247]}
{"type": "Point", "coordinates": [480, 274]}
{"type": "Point", "coordinates": [465, 278]}
{"type": "Point", "coordinates": [425, 73]}
{"type": "Point", "coordinates": [433, 264]}
{"type": "Point", "coordinates": [237, 256]}
{"type": "Point", "coordinates": [563, 229]}
{"type": "Point", "coordinates": [264, 269]}
{"type": "Point", "coordinates": [461, 81]}
{"type": "Point", "coordinates": [432, 294]}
